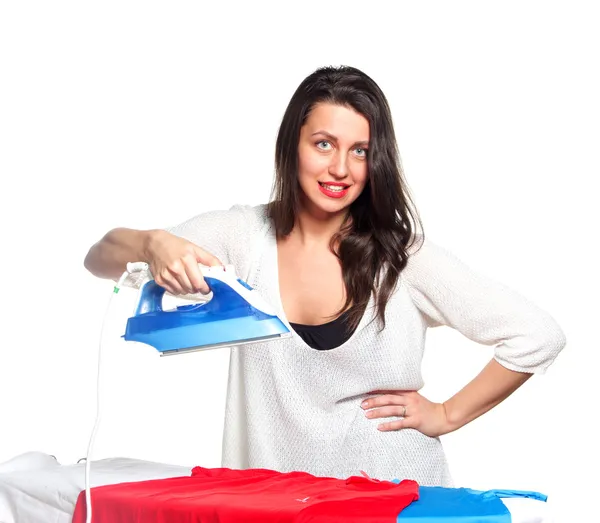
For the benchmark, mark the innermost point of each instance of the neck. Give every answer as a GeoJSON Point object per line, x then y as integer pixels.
{"type": "Point", "coordinates": [316, 227]}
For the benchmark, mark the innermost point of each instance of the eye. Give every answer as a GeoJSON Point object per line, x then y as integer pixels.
{"type": "Point", "coordinates": [323, 145]}
{"type": "Point", "coordinates": [361, 152]}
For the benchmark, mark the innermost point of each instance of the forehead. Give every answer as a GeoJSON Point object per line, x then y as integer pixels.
{"type": "Point", "coordinates": [340, 121]}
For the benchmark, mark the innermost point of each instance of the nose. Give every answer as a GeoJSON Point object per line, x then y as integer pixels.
{"type": "Point", "coordinates": [339, 165]}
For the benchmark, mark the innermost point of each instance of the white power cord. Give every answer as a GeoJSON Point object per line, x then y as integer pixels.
{"type": "Point", "coordinates": [131, 268]}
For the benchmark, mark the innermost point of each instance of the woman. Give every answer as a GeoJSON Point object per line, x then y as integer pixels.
{"type": "Point", "coordinates": [338, 252]}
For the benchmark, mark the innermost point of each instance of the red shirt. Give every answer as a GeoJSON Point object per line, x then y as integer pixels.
{"type": "Point", "coordinates": [224, 495]}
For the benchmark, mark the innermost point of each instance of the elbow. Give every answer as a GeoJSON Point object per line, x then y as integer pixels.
{"type": "Point", "coordinates": [88, 261]}
{"type": "Point", "coordinates": [558, 340]}
{"type": "Point", "coordinates": [552, 337]}
{"type": "Point", "coordinates": [557, 343]}
{"type": "Point", "coordinates": [535, 351]}
{"type": "Point", "coordinates": [93, 261]}
{"type": "Point", "coordinates": [547, 340]}
{"type": "Point", "coordinates": [554, 341]}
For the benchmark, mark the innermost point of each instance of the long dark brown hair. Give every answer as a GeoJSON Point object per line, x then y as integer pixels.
{"type": "Point", "coordinates": [373, 243]}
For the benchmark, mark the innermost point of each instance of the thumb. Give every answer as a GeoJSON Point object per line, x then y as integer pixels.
{"type": "Point", "coordinates": [205, 258]}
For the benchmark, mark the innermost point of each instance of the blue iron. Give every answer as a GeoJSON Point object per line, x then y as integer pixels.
{"type": "Point", "coordinates": [235, 315]}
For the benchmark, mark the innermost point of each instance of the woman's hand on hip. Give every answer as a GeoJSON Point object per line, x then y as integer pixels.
{"type": "Point", "coordinates": [413, 410]}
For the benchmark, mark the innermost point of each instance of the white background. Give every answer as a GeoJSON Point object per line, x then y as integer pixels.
{"type": "Point", "coordinates": [144, 114]}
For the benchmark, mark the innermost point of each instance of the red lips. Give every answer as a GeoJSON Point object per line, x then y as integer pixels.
{"type": "Point", "coordinates": [334, 193]}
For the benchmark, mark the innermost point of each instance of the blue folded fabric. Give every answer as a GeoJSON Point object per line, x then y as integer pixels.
{"type": "Point", "coordinates": [461, 505]}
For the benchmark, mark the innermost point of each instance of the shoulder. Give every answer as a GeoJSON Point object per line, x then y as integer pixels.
{"type": "Point", "coordinates": [423, 248]}
{"type": "Point", "coordinates": [429, 261]}
{"type": "Point", "coordinates": [248, 221]}
{"type": "Point", "coordinates": [256, 215]}
{"type": "Point", "coordinates": [229, 234]}
{"type": "Point", "coordinates": [436, 271]}
{"type": "Point", "coordinates": [236, 220]}
{"type": "Point", "coordinates": [422, 252]}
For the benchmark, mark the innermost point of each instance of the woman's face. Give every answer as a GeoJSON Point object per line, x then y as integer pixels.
{"type": "Point", "coordinates": [332, 158]}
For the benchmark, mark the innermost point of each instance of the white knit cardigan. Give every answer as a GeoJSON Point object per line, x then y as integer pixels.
{"type": "Point", "coordinates": [290, 407]}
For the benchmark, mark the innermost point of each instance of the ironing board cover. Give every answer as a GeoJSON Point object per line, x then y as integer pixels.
{"type": "Point", "coordinates": [224, 495]}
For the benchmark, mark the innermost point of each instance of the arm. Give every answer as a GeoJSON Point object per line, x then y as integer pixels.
{"type": "Point", "coordinates": [172, 261]}
{"type": "Point", "coordinates": [173, 255]}
{"type": "Point", "coordinates": [525, 338]}
{"type": "Point", "coordinates": [489, 388]}
{"type": "Point", "coordinates": [108, 257]}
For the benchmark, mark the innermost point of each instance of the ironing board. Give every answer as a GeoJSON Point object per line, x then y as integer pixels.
{"type": "Point", "coordinates": [35, 488]}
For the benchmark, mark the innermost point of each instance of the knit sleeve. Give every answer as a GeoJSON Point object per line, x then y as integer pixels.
{"type": "Point", "coordinates": [448, 292]}
{"type": "Point", "coordinates": [228, 234]}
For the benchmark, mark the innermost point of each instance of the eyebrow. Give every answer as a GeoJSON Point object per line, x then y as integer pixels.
{"type": "Point", "coordinates": [333, 138]}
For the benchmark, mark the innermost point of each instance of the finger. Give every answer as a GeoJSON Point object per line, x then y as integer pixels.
{"type": "Point", "coordinates": [194, 275]}
{"type": "Point", "coordinates": [171, 276]}
{"type": "Point", "coordinates": [181, 277]}
{"type": "Point", "coordinates": [205, 258]}
{"type": "Point", "coordinates": [392, 425]}
{"type": "Point", "coordinates": [387, 399]}
{"type": "Point", "coordinates": [386, 412]}
{"type": "Point", "coordinates": [395, 391]}
{"type": "Point", "coordinates": [410, 422]}
{"type": "Point", "coordinates": [166, 280]}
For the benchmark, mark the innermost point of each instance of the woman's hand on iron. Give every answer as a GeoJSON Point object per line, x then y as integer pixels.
{"type": "Point", "coordinates": [413, 410]}
{"type": "Point", "coordinates": [173, 262]}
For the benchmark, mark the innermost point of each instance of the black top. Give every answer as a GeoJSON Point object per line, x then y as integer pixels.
{"type": "Point", "coordinates": [325, 336]}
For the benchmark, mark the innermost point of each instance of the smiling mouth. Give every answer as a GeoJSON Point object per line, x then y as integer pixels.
{"type": "Point", "coordinates": [334, 187]}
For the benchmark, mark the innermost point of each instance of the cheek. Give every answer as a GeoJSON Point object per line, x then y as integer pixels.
{"type": "Point", "coordinates": [361, 175]}
{"type": "Point", "coordinates": [310, 164]}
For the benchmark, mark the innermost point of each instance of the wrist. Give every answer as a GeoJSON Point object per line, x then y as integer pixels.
{"type": "Point", "coordinates": [453, 420]}
{"type": "Point", "coordinates": [149, 240]}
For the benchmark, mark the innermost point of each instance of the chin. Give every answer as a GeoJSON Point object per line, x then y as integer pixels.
{"type": "Point", "coordinates": [322, 205]}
